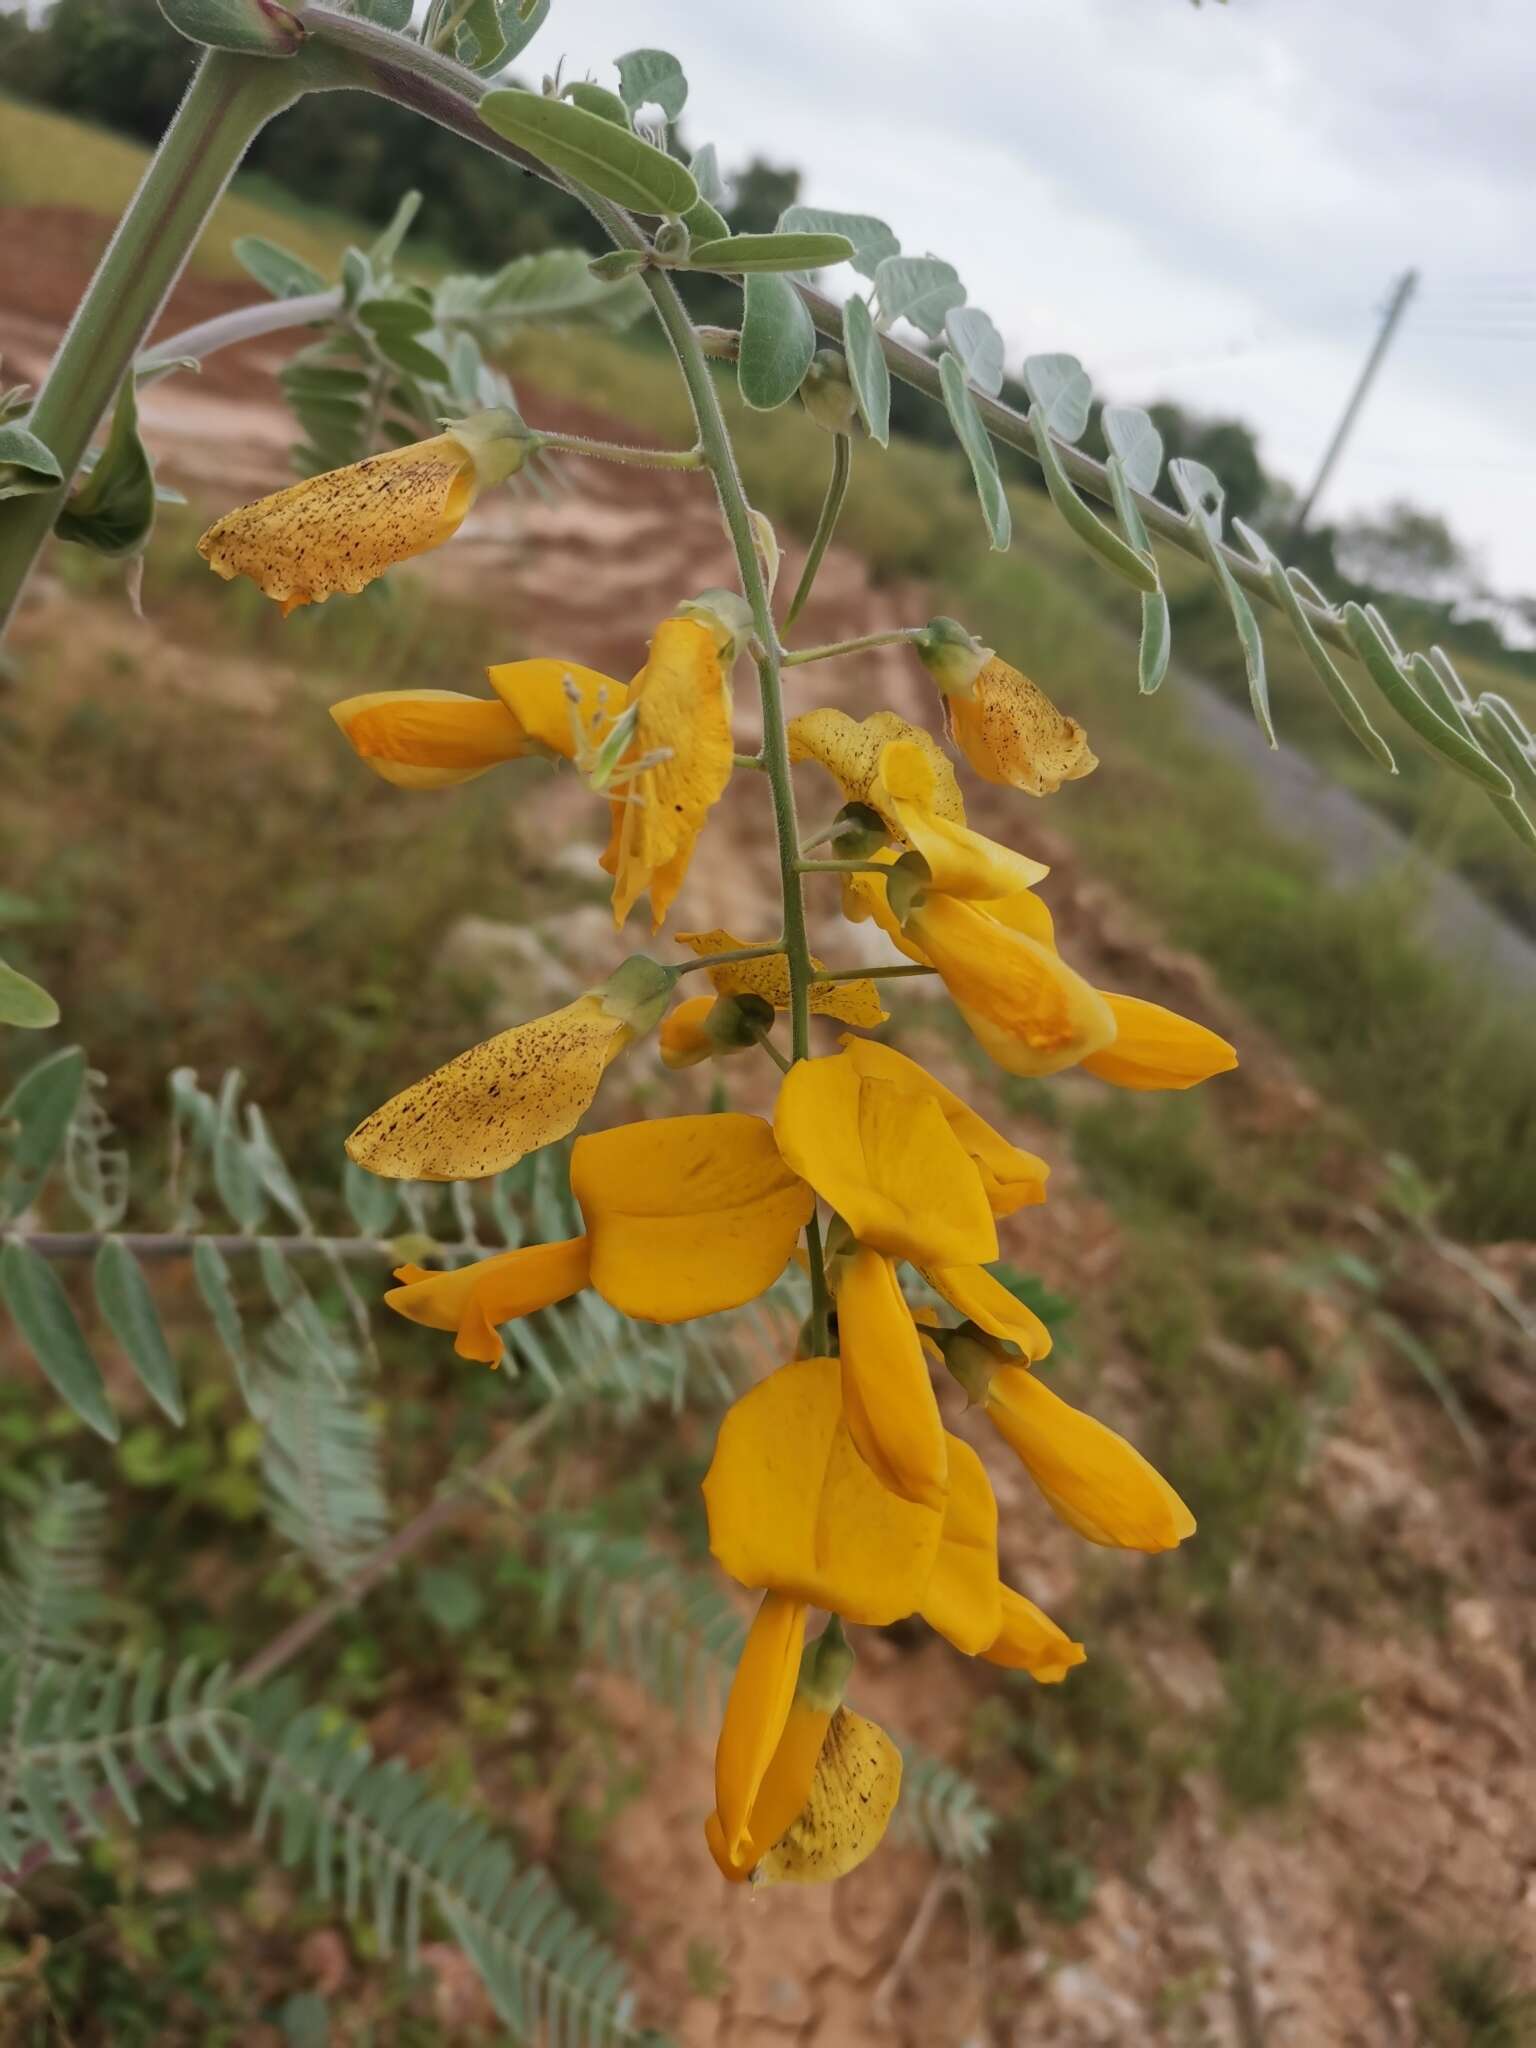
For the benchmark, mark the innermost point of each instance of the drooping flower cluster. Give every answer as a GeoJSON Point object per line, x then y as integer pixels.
{"type": "Point", "coordinates": [834, 1482]}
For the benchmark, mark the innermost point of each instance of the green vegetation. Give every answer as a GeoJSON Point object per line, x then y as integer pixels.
{"type": "Point", "coordinates": [1479, 2002]}
{"type": "Point", "coordinates": [1268, 1721]}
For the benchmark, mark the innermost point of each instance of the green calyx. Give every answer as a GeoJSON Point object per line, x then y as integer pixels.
{"type": "Point", "coordinates": [826, 1665]}
{"type": "Point", "coordinates": [638, 992]}
{"type": "Point", "coordinates": [254, 28]}
{"type": "Point", "coordinates": [974, 1358]}
{"type": "Point", "coordinates": [497, 442]}
{"type": "Point", "coordinates": [952, 656]}
{"type": "Point", "coordinates": [736, 1022]}
{"type": "Point", "coordinates": [827, 394]}
{"type": "Point", "coordinates": [860, 833]}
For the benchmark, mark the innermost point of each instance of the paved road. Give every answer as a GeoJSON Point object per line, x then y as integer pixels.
{"type": "Point", "coordinates": [1360, 844]}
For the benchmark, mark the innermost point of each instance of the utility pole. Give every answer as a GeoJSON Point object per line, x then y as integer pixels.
{"type": "Point", "coordinates": [1402, 292]}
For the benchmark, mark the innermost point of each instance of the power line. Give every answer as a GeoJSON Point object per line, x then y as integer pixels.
{"type": "Point", "coordinates": [1402, 293]}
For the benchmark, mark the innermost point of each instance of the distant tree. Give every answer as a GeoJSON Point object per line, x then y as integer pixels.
{"type": "Point", "coordinates": [1405, 549]}
{"type": "Point", "coordinates": [759, 194]}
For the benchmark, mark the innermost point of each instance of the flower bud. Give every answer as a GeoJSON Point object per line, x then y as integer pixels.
{"type": "Point", "coordinates": [826, 393]}
{"type": "Point", "coordinates": [672, 241]}
{"type": "Point", "coordinates": [951, 655]}
{"type": "Point", "coordinates": [727, 616]}
{"type": "Point", "coordinates": [617, 264]}
{"type": "Point", "coordinates": [710, 1027]}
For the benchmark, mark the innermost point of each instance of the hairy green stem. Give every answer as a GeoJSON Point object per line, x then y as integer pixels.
{"type": "Point", "coordinates": [842, 867]}
{"type": "Point", "coordinates": [228, 330]}
{"type": "Point", "coordinates": [871, 973]}
{"type": "Point", "coordinates": [725, 959]}
{"type": "Point", "coordinates": [826, 525]}
{"type": "Point", "coordinates": [621, 451]}
{"type": "Point", "coordinates": [795, 656]}
{"type": "Point", "coordinates": [229, 100]}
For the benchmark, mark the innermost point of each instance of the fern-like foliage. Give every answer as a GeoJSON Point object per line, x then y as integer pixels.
{"type": "Point", "coordinates": [675, 1631]}
{"type": "Point", "coordinates": [320, 1455]}
{"type": "Point", "coordinates": [377, 1839]}
{"type": "Point", "coordinates": [48, 1599]}
{"type": "Point", "coordinates": [85, 1730]}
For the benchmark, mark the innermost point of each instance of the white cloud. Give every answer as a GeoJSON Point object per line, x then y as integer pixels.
{"type": "Point", "coordinates": [1208, 205]}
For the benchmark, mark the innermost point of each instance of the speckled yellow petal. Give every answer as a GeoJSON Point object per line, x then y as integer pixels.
{"type": "Point", "coordinates": [886, 1159]}
{"type": "Point", "coordinates": [888, 1398]}
{"type": "Point", "coordinates": [687, 1214]}
{"type": "Point", "coordinates": [1157, 1048]}
{"type": "Point", "coordinates": [338, 531]}
{"type": "Point", "coordinates": [1030, 1011]}
{"type": "Point", "coordinates": [852, 1798]}
{"type": "Point", "coordinates": [1012, 734]}
{"type": "Point", "coordinates": [756, 1711]}
{"type": "Point", "coordinates": [792, 1505]}
{"type": "Point", "coordinates": [850, 1002]}
{"type": "Point", "coordinates": [964, 1601]}
{"type": "Point", "coordinates": [849, 749]}
{"type": "Point", "coordinates": [473, 1299]}
{"type": "Point", "coordinates": [1030, 1641]}
{"type": "Point", "coordinates": [785, 1791]}
{"type": "Point", "coordinates": [1014, 1179]}
{"type": "Point", "coordinates": [428, 739]}
{"type": "Point", "coordinates": [535, 692]}
{"type": "Point", "coordinates": [682, 713]}
{"type": "Point", "coordinates": [982, 1298]}
{"type": "Point", "coordinates": [483, 1111]}
{"type": "Point", "coordinates": [1098, 1483]}
{"type": "Point", "coordinates": [960, 862]}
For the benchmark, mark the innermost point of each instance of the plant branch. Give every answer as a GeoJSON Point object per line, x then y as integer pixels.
{"type": "Point", "coordinates": [826, 525]}
{"type": "Point", "coordinates": [795, 656]}
{"type": "Point", "coordinates": [229, 100]}
{"type": "Point", "coordinates": [871, 973]}
{"type": "Point", "coordinates": [727, 959]}
{"type": "Point", "coordinates": [621, 451]}
{"type": "Point", "coordinates": [178, 1244]}
{"type": "Point", "coordinates": [228, 330]}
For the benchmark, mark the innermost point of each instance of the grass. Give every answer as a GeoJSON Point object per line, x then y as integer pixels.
{"type": "Point", "coordinates": [1479, 2002]}
{"type": "Point", "coordinates": [1262, 1735]}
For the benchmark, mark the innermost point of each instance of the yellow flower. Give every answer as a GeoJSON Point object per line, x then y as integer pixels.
{"type": "Point", "coordinates": [853, 1793]}
{"type": "Point", "coordinates": [888, 1400]}
{"type": "Point", "coordinates": [1098, 1483]}
{"type": "Point", "coordinates": [430, 739]}
{"type": "Point", "coordinates": [963, 1599]}
{"type": "Point", "coordinates": [885, 1156]}
{"type": "Point", "coordinates": [472, 1300]}
{"type": "Point", "coordinates": [678, 765]}
{"type": "Point", "coordinates": [683, 1039]}
{"type": "Point", "coordinates": [685, 1216]}
{"type": "Point", "coordinates": [341, 530]}
{"type": "Point", "coordinates": [850, 749]}
{"type": "Point", "coordinates": [1012, 734]}
{"type": "Point", "coordinates": [1030, 1641]}
{"type": "Point", "coordinates": [960, 862]}
{"type": "Point", "coordinates": [851, 1002]}
{"type": "Point", "coordinates": [793, 1507]}
{"type": "Point", "coordinates": [1157, 1048]}
{"type": "Point", "coordinates": [1027, 1009]}
{"type": "Point", "coordinates": [983, 1299]}
{"type": "Point", "coordinates": [524, 1088]}
{"type": "Point", "coordinates": [803, 1788]}
{"type": "Point", "coordinates": [1013, 1179]}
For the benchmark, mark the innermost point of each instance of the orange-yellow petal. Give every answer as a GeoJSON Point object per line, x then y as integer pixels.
{"type": "Point", "coordinates": [682, 1039]}
{"type": "Point", "coordinates": [792, 1505]}
{"type": "Point", "coordinates": [982, 1298]}
{"type": "Point", "coordinates": [471, 1300]}
{"type": "Point", "coordinates": [1157, 1048]}
{"type": "Point", "coordinates": [756, 1711]}
{"type": "Point", "coordinates": [1030, 1641]}
{"type": "Point", "coordinates": [1098, 1483]}
{"type": "Point", "coordinates": [538, 694]}
{"type": "Point", "coordinates": [851, 1002]}
{"type": "Point", "coordinates": [888, 1397]}
{"type": "Point", "coordinates": [1014, 1179]}
{"type": "Point", "coordinates": [428, 739]}
{"type": "Point", "coordinates": [1012, 734]}
{"type": "Point", "coordinates": [683, 724]}
{"type": "Point", "coordinates": [963, 1600]}
{"type": "Point", "coordinates": [1027, 1009]}
{"type": "Point", "coordinates": [850, 748]}
{"type": "Point", "coordinates": [480, 1113]}
{"type": "Point", "coordinates": [687, 1214]}
{"type": "Point", "coordinates": [960, 862]}
{"type": "Point", "coordinates": [337, 532]}
{"type": "Point", "coordinates": [886, 1159]}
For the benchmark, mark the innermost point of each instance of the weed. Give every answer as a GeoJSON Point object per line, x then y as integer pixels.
{"type": "Point", "coordinates": [1262, 1735]}
{"type": "Point", "coordinates": [1479, 2002]}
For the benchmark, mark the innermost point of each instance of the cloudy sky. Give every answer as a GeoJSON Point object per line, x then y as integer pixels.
{"type": "Point", "coordinates": [1210, 205]}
